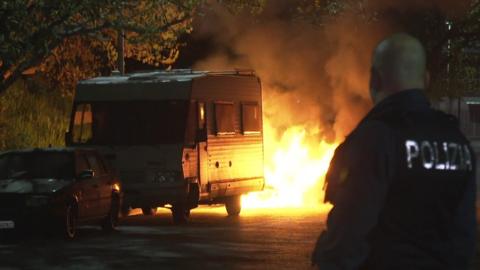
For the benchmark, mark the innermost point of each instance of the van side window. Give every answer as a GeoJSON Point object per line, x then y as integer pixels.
{"type": "Point", "coordinates": [251, 118]}
{"type": "Point", "coordinates": [130, 122]}
{"type": "Point", "coordinates": [225, 118]}
{"type": "Point", "coordinates": [82, 123]}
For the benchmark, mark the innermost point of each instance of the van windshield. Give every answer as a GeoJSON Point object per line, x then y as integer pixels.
{"type": "Point", "coordinates": [130, 122]}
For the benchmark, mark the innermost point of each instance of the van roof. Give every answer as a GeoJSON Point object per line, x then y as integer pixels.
{"type": "Point", "coordinates": [175, 75]}
{"type": "Point", "coordinates": [146, 77]}
{"type": "Point", "coordinates": [46, 150]}
{"type": "Point", "coordinates": [154, 85]}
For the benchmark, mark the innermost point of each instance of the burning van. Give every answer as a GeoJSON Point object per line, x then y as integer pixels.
{"type": "Point", "coordinates": [176, 138]}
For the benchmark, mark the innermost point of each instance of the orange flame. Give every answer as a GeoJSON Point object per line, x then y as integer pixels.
{"type": "Point", "coordinates": [294, 171]}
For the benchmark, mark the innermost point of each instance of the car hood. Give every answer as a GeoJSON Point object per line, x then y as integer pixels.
{"type": "Point", "coordinates": [32, 185]}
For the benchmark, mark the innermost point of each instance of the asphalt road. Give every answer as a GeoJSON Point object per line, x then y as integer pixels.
{"type": "Point", "coordinates": [258, 239]}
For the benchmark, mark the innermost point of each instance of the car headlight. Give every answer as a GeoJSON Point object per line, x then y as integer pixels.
{"type": "Point", "coordinates": [37, 200]}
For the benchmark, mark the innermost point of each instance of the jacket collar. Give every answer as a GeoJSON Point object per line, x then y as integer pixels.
{"type": "Point", "coordinates": [407, 100]}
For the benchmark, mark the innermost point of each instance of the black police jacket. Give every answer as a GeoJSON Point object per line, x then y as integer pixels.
{"type": "Point", "coordinates": [403, 189]}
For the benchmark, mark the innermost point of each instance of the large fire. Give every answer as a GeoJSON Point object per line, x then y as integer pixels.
{"type": "Point", "coordinates": [294, 170]}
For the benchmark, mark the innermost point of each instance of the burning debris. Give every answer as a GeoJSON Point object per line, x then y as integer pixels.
{"type": "Point", "coordinates": [294, 170]}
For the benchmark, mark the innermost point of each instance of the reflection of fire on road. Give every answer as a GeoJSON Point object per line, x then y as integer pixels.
{"type": "Point", "coordinates": [294, 170]}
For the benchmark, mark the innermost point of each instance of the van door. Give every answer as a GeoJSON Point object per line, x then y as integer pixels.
{"type": "Point", "coordinates": [202, 148]}
{"type": "Point", "coordinates": [203, 167]}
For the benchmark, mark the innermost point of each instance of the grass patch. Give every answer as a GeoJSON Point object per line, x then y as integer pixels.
{"type": "Point", "coordinates": [32, 118]}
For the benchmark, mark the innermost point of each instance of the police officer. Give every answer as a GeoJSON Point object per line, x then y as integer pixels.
{"type": "Point", "coordinates": [402, 184]}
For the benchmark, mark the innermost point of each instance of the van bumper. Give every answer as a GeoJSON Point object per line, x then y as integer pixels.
{"type": "Point", "coordinates": [232, 187]}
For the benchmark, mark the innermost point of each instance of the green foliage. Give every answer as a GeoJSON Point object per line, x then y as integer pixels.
{"type": "Point", "coordinates": [32, 118]}
{"type": "Point", "coordinates": [75, 59]}
{"type": "Point", "coordinates": [452, 44]}
{"type": "Point", "coordinates": [31, 30]}
{"type": "Point", "coordinates": [237, 6]}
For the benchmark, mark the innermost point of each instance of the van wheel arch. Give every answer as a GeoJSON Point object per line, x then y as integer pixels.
{"type": "Point", "coordinates": [193, 196]}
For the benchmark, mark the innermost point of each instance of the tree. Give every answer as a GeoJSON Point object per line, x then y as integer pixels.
{"type": "Point", "coordinates": [33, 30]}
{"type": "Point", "coordinates": [452, 42]}
{"type": "Point", "coordinates": [450, 32]}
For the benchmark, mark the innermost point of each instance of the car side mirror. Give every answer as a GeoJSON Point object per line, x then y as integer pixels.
{"type": "Point", "coordinates": [86, 174]}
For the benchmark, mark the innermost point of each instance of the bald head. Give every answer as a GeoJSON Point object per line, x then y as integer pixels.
{"type": "Point", "coordinates": [399, 63]}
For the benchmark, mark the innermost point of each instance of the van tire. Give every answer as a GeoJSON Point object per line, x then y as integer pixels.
{"type": "Point", "coordinates": [233, 205]}
{"type": "Point", "coordinates": [193, 196]}
{"type": "Point", "coordinates": [149, 211]}
{"type": "Point", "coordinates": [125, 210]}
{"type": "Point", "coordinates": [180, 213]}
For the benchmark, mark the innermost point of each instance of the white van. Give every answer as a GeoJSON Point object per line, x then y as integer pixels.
{"type": "Point", "coordinates": [176, 138]}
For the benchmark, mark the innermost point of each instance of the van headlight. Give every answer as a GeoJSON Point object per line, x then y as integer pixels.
{"type": "Point", "coordinates": [165, 177]}
{"type": "Point", "coordinates": [37, 200]}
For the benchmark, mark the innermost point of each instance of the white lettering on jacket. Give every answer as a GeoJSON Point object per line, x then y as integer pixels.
{"type": "Point", "coordinates": [440, 156]}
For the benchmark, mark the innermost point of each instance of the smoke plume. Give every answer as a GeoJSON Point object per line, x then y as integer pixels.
{"type": "Point", "coordinates": [315, 76]}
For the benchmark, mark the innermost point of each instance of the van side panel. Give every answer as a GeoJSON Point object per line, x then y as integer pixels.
{"type": "Point", "coordinates": [190, 162]}
{"type": "Point", "coordinates": [235, 161]}
{"type": "Point", "coordinates": [235, 165]}
{"type": "Point", "coordinates": [227, 87]}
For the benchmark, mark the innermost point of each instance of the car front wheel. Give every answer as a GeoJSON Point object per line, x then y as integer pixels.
{"type": "Point", "coordinates": [70, 222]}
{"type": "Point", "coordinates": [111, 220]}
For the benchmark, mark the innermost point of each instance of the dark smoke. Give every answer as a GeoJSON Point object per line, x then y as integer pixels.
{"type": "Point", "coordinates": [313, 75]}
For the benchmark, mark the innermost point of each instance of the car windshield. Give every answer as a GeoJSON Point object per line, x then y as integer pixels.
{"type": "Point", "coordinates": [37, 164]}
{"type": "Point", "coordinates": [130, 123]}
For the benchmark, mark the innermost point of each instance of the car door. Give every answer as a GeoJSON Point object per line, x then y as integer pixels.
{"type": "Point", "coordinates": [103, 181]}
{"type": "Point", "coordinates": [88, 189]}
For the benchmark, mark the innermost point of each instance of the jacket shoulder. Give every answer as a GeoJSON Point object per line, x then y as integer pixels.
{"type": "Point", "coordinates": [371, 130]}
{"type": "Point", "coordinates": [448, 118]}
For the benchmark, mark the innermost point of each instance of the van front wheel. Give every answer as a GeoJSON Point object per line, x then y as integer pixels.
{"type": "Point", "coordinates": [180, 213]}
{"type": "Point", "coordinates": [233, 205]}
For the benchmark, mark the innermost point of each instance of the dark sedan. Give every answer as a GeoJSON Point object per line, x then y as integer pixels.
{"type": "Point", "coordinates": [59, 188]}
